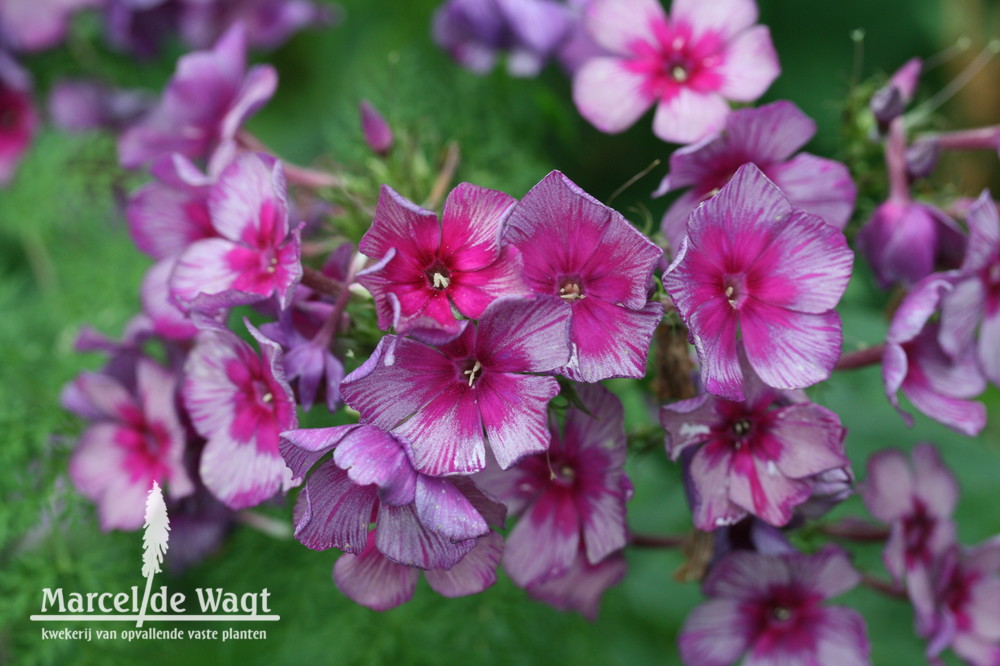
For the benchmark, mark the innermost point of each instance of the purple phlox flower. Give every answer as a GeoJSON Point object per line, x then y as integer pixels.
{"type": "Point", "coordinates": [256, 255]}
{"type": "Point", "coordinates": [419, 521]}
{"type": "Point", "coordinates": [474, 32]}
{"type": "Point", "coordinates": [310, 365]}
{"type": "Point", "coordinates": [581, 587]}
{"type": "Point", "coordinates": [167, 320]}
{"type": "Point", "coordinates": [36, 26]}
{"type": "Point", "coordinates": [135, 438]}
{"type": "Point", "coordinates": [915, 363]}
{"type": "Point", "coordinates": [375, 581]}
{"type": "Point", "coordinates": [888, 102]}
{"type": "Point", "coordinates": [830, 488]}
{"type": "Point", "coordinates": [974, 300]}
{"type": "Point", "coordinates": [757, 272]}
{"type": "Point", "coordinates": [377, 133]}
{"type": "Point", "coordinates": [81, 105]}
{"type": "Point", "coordinates": [966, 611]}
{"type": "Point", "coordinates": [767, 136]}
{"type": "Point", "coordinates": [239, 402]}
{"type": "Point", "coordinates": [905, 240]}
{"type": "Point", "coordinates": [141, 27]}
{"type": "Point", "coordinates": [749, 534]}
{"type": "Point", "coordinates": [20, 119]}
{"type": "Point", "coordinates": [427, 266]}
{"type": "Point", "coordinates": [917, 501]}
{"type": "Point", "coordinates": [199, 523]}
{"type": "Point", "coordinates": [689, 64]}
{"type": "Point", "coordinates": [586, 257]}
{"type": "Point", "coordinates": [446, 402]}
{"type": "Point", "coordinates": [768, 609]}
{"type": "Point", "coordinates": [571, 497]}
{"type": "Point", "coordinates": [207, 100]}
{"type": "Point", "coordinates": [579, 46]}
{"type": "Point", "coordinates": [268, 23]}
{"type": "Point", "coordinates": [761, 456]}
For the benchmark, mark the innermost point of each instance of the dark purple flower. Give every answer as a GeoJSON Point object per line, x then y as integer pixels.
{"type": "Point", "coordinates": [761, 456]}
{"type": "Point", "coordinates": [915, 363]}
{"type": "Point", "coordinates": [974, 301]}
{"type": "Point", "coordinates": [378, 134]}
{"type": "Point", "coordinates": [18, 118]}
{"type": "Point", "coordinates": [767, 136]}
{"type": "Point", "coordinates": [428, 266]}
{"type": "Point", "coordinates": [888, 102]}
{"type": "Point", "coordinates": [205, 103]}
{"type": "Point", "coordinates": [768, 609]}
{"type": "Point", "coordinates": [447, 402]}
{"type": "Point", "coordinates": [255, 255]}
{"type": "Point", "coordinates": [586, 257]}
{"type": "Point", "coordinates": [689, 64]}
{"type": "Point", "coordinates": [135, 439]}
{"type": "Point", "coordinates": [474, 32]}
{"type": "Point", "coordinates": [420, 521]}
{"type": "Point", "coordinates": [239, 402]}
{"type": "Point", "coordinates": [570, 498]}
{"type": "Point", "coordinates": [753, 270]}
{"type": "Point", "coordinates": [268, 23]}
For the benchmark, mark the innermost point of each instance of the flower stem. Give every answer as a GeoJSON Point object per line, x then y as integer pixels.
{"type": "Point", "coordinates": [855, 530]}
{"type": "Point", "coordinates": [316, 281]}
{"type": "Point", "coordinates": [653, 541]}
{"type": "Point", "coordinates": [882, 587]}
{"type": "Point", "coordinates": [860, 358]}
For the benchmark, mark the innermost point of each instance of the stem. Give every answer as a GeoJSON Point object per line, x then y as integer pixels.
{"type": "Point", "coordinates": [882, 587]}
{"type": "Point", "coordinates": [895, 161]}
{"type": "Point", "coordinates": [444, 178]}
{"type": "Point", "coordinates": [860, 358]}
{"type": "Point", "coordinates": [295, 174]}
{"type": "Point", "coordinates": [981, 138]}
{"type": "Point", "coordinates": [653, 541]}
{"type": "Point", "coordinates": [316, 281]}
{"type": "Point", "coordinates": [855, 530]}
{"type": "Point", "coordinates": [272, 527]}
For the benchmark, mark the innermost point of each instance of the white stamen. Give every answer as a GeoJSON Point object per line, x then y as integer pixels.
{"type": "Point", "coordinates": [472, 373]}
{"type": "Point", "coordinates": [267, 397]}
{"type": "Point", "coordinates": [440, 281]}
{"type": "Point", "coordinates": [679, 74]}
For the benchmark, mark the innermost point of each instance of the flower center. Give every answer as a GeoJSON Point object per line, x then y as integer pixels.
{"type": "Point", "coordinates": [438, 276]}
{"type": "Point", "coordinates": [781, 613]}
{"type": "Point", "coordinates": [678, 74]}
{"type": "Point", "coordinates": [734, 289]}
{"type": "Point", "coordinates": [564, 474]}
{"type": "Point", "coordinates": [570, 289]}
{"type": "Point", "coordinates": [473, 370]}
{"type": "Point", "coordinates": [741, 427]}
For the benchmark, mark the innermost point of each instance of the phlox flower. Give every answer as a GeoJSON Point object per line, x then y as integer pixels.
{"type": "Point", "coordinates": [915, 362]}
{"type": "Point", "coordinates": [767, 136]}
{"type": "Point", "coordinates": [580, 589]}
{"type": "Point", "coordinates": [254, 255]}
{"type": "Point", "coordinates": [689, 64]}
{"type": "Point", "coordinates": [587, 258]}
{"type": "Point", "coordinates": [20, 119]}
{"type": "Point", "coordinates": [762, 456]}
{"type": "Point", "coordinates": [419, 521]}
{"type": "Point", "coordinates": [768, 609]}
{"type": "Point", "coordinates": [446, 402]}
{"type": "Point", "coordinates": [205, 103]}
{"type": "Point", "coordinates": [40, 25]}
{"type": "Point", "coordinates": [427, 266]}
{"type": "Point", "coordinates": [974, 300]}
{"type": "Point", "coordinates": [756, 272]}
{"type": "Point", "coordinates": [135, 438]}
{"type": "Point", "coordinates": [239, 402]}
{"type": "Point", "coordinates": [570, 498]}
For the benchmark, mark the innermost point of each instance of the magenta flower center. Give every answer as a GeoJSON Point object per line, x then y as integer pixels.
{"type": "Point", "coordinates": [917, 530]}
{"type": "Point", "coordinates": [734, 288]}
{"type": "Point", "coordinates": [678, 59]}
{"type": "Point", "coordinates": [571, 289]}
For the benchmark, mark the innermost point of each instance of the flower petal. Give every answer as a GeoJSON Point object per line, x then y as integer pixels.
{"type": "Point", "coordinates": [716, 633]}
{"type": "Point", "coordinates": [726, 18]}
{"type": "Point", "coordinates": [373, 580]}
{"type": "Point", "coordinates": [817, 185]}
{"type": "Point", "coordinates": [400, 536]}
{"type": "Point", "coordinates": [689, 115]}
{"type": "Point", "coordinates": [543, 544]}
{"type": "Point", "coordinates": [750, 64]}
{"type": "Point", "coordinates": [790, 350]}
{"type": "Point", "coordinates": [609, 94]}
{"type": "Point", "coordinates": [442, 508]}
{"type": "Point", "coordinates": [474, 573]}
{"type": "Point", "coordinates": [333, 512]}
{"type": "Point", "coordinates": [514, 413]}
{"type": "Point", "coordinates": [610, 340]}
{"type": "Point", "coordinates": [618, 24]}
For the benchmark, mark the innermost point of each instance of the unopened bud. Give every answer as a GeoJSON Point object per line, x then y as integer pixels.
{"type": "Point", "coordinates": [378, 134]}
{"type": "Point", "coordinates": [921, 158]}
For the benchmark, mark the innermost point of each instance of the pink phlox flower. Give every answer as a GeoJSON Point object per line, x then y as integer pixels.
{"type": "Point", "coordinates": [446, 402]}
{"type": "Point", "coordinates": [135, 438]}
{"type": "Point", "coordinates": [428, 266]}
{"type": "Point", "coordinates": [974, 301]}
{"type": "Point", "coordinates": [420, 522]}
{"type": "Point", "coordinates": [757, 273]}
{"type": "Point", "coordinates": [917, 501]}
{"type": "Point", "coordinates": [571, 497]}
{"type": "Point", "coordinates": [587, 258]}
{"type": "Point", "coordinates": [688, 64]}
{"type": "Point", "coordinates": [20, 118]}
{"type": "Point", "coordinates": [255, 255]}
{"type": "Point", "coordinates": [762, 456]}
{"type": "Point", "coordinates": [767, 136]}
{"type": "Point", "coordinates": [965, 614]}
{"type": "Point", "coordinates": [239, 402]}
{"type": "Point", "coordinates": [915, 362]}
{"type": "Point", "coordinates": [208, 99]}
{"type": "Point", "coordinates": [769, 609]}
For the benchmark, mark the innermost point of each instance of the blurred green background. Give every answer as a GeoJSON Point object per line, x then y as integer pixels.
{"type": "Point", "coordinates": [66, 261]}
